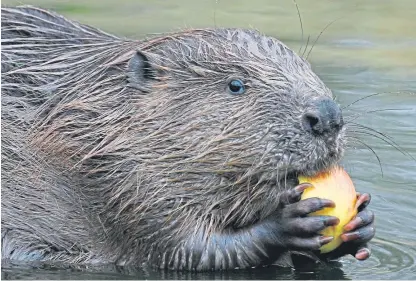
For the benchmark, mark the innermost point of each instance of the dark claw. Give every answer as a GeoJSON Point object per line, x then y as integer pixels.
{"type": "Point", "coordinates": [307, 206]}
{"type": "Point", "coordinates": [314, 243]}
{"type": "Point", "coordinates": [310, 225]}
{"type": "Point", "coordinates": [363, 254]}
{"type": "Point", "coordinates": [359, 231]}
{"type": "Point", "coordinates": [362, 201]}
{"type": "Point", "coordinates": [360, 252]}
{"type": "Point", "coordinates": [350, 236]}
{"type": "Point", "coordinates": [300, 188]}
{"type": "Point", "coordinates": [363, 218]}
{"type": "Point", "coordinates": [293, 195]}
{"type": "Point", "coordinates": [362, 235]}
{"type": "Point", "coordinates": [325, 240]}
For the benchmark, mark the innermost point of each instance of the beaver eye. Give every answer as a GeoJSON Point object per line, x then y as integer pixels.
{"type": "Point", "coordinates": [236, 87]}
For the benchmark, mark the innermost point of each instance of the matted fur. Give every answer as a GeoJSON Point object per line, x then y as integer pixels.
{"type": "Point", "coordinates": [99, 165]}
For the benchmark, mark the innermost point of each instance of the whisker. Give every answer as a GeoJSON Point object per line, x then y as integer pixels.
{"type": "Point", "coordinates": [373, 130]}
{"type": "Point", "coordinates": [286, 171]}
{"type": "Point", "coordinates": [358, 115]}
{"type": "Point", "coordinates": [277, 175]}
{"type": "Point", "coordinates": [387, 139]}
{"type": "Point", "coordinates": [371, 95]}
{"type": "Point", "coordinates": [306, 47]}
{"type": "Point", "coordinates": [374, 135]}
{"type": "Point", "coordinates": [360, 99]}
{"type": "Point", "coordinates": [301, 24]}
{"type": "Point", "coordinates": [317, 38]}
{"type": "Point", "coordinates": [372, 150]}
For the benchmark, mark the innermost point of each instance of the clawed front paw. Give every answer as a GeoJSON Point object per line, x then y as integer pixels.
{"type": "Point", "coordinates": [359, 230]}
{"type": "Point", "coordinates": [299, 231]}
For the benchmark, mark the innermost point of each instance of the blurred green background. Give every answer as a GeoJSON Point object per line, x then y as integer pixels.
{"type": "Point", "coordinates": [383, 30]}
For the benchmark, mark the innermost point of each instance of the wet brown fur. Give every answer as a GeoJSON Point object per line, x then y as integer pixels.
{"type": "Point", "coordinates": [100, 164]}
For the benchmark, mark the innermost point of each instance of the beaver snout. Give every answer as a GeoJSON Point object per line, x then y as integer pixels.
{"type": "Point", "coordinates": [325, 117]}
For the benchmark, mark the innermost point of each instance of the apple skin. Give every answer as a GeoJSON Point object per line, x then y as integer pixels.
{"type": "Point", "coordinates": [335, 185]}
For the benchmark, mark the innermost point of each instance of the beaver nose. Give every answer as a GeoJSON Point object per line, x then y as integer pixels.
{"type": "Point", "coordinates": [326, 117]}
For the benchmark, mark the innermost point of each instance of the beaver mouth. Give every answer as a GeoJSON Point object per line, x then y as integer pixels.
{"type": "Point", "coordinates": [286, 181]}
{"type": "Point", "coordinates": [284, 177]}
{"type": "Point", "coordinates": [290, 180]}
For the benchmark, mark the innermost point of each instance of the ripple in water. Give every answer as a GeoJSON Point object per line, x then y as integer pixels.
{"type": "Point", "coordinates": [389, 260]}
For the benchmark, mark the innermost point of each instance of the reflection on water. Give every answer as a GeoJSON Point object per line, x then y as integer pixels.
{"type": "Point", "coordinates": [370, 50]}
{"type": "Point", "coordinates": [328, 271]}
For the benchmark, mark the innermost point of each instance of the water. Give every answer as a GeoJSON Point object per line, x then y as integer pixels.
{"type": "Point", "coordinates": [370, 48]}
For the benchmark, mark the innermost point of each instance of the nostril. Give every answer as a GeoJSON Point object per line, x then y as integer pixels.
{"type": "Point", "coordinates": [339, 123]}
{"type": "Point", "coordinates": [312, 123]}
{"type": "Point", "coordinates": [325, 117]}
{"type": "Point", "coordinates": [312, 119]}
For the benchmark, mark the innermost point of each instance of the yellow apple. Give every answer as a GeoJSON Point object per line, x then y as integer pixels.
{"type": "Point", "coordinates": [335, 185]}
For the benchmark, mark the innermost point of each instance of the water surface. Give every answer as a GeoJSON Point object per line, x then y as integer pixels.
{"type": "Point", "coordinates": [370, 48]}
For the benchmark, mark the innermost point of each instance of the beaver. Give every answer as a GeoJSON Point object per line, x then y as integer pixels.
{"type": "Point", "coordinates": [180, 151]}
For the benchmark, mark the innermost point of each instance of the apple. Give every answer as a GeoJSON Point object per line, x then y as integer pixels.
{"type": "Point", "coordinates": [335, 185]}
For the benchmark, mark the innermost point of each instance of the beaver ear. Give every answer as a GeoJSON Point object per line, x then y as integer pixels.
{"type": "Point", "coordinates": [139, 71]}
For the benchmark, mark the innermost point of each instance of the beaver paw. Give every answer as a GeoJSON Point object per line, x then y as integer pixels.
{"type": "Point", "coordinates": [359, 231]}
{"type": "Point", "coordinates": [298, 231]}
